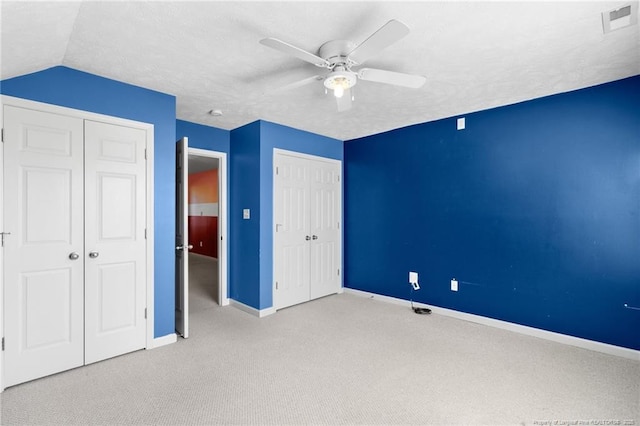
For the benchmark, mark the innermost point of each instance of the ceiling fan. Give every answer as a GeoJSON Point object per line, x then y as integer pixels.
{"type": "Point", "coordinates": [340, 56]}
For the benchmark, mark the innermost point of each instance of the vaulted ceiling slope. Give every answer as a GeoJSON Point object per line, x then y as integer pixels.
{"type": "Point", "coordinates": [474, 55]}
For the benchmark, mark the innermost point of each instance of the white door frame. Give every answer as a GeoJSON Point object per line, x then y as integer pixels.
{"type": "Point", "coordinates": [85, 115]}
{"type": "Point", "coordinates": [2, 101]}
{"type": "Point", "coordinates": [223, 241]}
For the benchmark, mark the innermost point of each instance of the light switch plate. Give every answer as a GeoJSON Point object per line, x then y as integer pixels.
{"type": "Point", "coordinates": [246, 213]}
{"type": "Point", "coordinates": [454, 285]}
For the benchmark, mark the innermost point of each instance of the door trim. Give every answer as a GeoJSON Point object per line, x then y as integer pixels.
{"type": "Point", "coordinates": [2, 102]}
{"type": "Point", "coordinates": [223, 241]}
{"type": "Point", "coordinates": [85, 115]}
{"type": "Point", "coordinates": [305, 156]}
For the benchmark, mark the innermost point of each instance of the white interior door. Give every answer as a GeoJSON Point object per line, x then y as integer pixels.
{"type": "Point", "coordinates": [291, 231]}
{"type": "Point", "coordinates": [115, 246]}
{"type": "Point", "coordinates": [182, 238]}
{"type": "Point", "coordinates": [43, 256]}
{"type": "Point", "coordinates": [326, 237]}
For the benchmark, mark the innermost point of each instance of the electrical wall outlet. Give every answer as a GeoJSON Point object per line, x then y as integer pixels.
{"type": "Point", "coordinates": [454, 285]}
{"type": "Point", "coordinates": [413, 280]}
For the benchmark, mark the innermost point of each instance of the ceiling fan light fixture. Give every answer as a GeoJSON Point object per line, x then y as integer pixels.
{"type": "Point", "coordinates": [339, 81]}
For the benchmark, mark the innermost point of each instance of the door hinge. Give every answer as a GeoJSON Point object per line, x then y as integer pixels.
{"type": "Point", "coordinates": [145, 313]}
{"type": "Point", "coordinates": [276, 289]}
{"type": "Point", "coordinates": [145, 233]}
{"type": "Point", "coordinates": [145, 153]}
{"type": "Point", "coordinates": [3, 343]}
{"type": "Point", "coordinates": [2, 136]}
{"type": "Point", "coordinates": [338, 271]}
{"type": "Point", "coordinates": [276, 170]}
{"type": "Point", "coordinates": [2, 234]}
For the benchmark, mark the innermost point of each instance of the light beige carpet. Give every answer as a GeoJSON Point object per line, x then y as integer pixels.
{"type": "Point", "coordinates": [342, 359]}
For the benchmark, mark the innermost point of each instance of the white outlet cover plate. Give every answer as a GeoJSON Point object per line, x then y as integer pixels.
{"type": "Point", "coordinates": [454, 285]}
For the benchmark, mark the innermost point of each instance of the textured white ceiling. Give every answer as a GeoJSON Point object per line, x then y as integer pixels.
{"type": "Point", "coordinates": [475, 55]}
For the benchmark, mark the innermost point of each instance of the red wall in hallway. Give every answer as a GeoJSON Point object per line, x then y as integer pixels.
{"type": "Point", "coordinates": [204, 229]}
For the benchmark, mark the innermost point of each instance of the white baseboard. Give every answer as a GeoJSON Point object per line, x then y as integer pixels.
{"type": "Point", "coordinates": [164, 340]}
{"type": "Point", "coordinates": [260, 313]}
{"type": "Point", "coordinates": [530, 331]}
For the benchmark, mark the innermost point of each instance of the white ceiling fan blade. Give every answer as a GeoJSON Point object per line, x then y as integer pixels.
{"type": "Point", "coordinates": [392, 77]}
{"type": "Point", "coordinates": [388, 34]}
{"type": "Point", "coordinates": [344, 102]}
{"type": "Point", "coordinates": [292, 50]}
{"type": "Point", "coordinates": [300, 83]}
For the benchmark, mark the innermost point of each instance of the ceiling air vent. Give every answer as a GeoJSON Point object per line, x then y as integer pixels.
{"type": "Point", "coordinates": [621, 17]}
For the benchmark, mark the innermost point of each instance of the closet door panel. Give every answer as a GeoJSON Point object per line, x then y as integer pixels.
{"type": "Point", "coordinates": [325, 216]}
{"type": "Point", "coordinates": [115, 240]}
{"type": "Point", "coordinates": [43, 212]}
{"type": "Point", "coordinates": [291, 237]}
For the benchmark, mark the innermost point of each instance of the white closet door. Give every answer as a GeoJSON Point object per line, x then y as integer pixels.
{"type": "Point", "coordinates": [291, 236]}
{"type": "Point", "coordinates": [43, 211]}
{"type": "Point", "coordinates": [115, 253]}
{"type": "Point", "coordinates": [326, 238]}
{"type": "Point", "coordinates": [307, 235]}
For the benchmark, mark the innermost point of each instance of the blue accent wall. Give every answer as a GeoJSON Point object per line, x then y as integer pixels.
{"type": "Point", "coordinates": [534, 208]}
{"type": "Point", "coordinates": [244, 257]}
{"type": "Point", "coordinates": [203, 137]}
{"type": "Point", "coordinates": [252, 187]}
{"type": "Point", "coordinates": [75, 89]}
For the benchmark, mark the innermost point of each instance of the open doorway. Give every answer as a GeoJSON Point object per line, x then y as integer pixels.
{"type": "Point", "coordinates": [204, 224]}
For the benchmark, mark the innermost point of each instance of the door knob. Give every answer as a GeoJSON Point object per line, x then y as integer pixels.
{"type": "Point", "coordinates": [315, 237]}
{"type": "Point", "coordinates": [307, 238]}
{"type": "Point", "coordinates": [188, 247]}
{"type": "Point", "coordinates": [93, 254]}
{"type": "Point", "coordinates": [74, 256]}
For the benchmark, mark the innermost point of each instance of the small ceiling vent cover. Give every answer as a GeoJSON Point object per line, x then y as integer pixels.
{"type": "Point", "coordinates": [621, 17]}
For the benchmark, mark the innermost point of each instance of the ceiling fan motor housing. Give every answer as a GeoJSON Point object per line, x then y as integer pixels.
{"type": "Point", "coordinates": [336, 51]}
